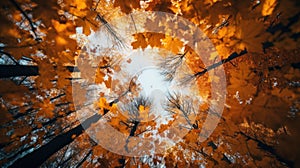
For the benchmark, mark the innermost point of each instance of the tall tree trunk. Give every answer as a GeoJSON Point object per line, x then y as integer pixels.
{"type": "Point", "coordinates": [40, 155]}
{"type": "Point", "coordinates": [7, 71]}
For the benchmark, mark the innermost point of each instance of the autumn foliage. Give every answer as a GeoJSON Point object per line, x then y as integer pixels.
{"type": "Point", "coordinates": [48, 76]}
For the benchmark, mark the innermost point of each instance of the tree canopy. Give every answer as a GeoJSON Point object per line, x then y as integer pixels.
{"type": "Point", "coordinates": [69, 76]}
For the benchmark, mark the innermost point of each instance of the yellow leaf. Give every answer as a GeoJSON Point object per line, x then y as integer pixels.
{"type": "Point", "coordinates": [268, 7]}
{"type": "Point", "coordinates": [154, 39]}
{"type": "Point", "coordinates": [60, 40]}
{"type": "Point", "coordinates": [80, 4]}
{"type": "Point", "coordinates": [58, 27]}
{"type": "Point", "coordinates": [115, 121]}
{"type": "Point", "coordinates": [172, 44]}
{"type": "Point", "coordinates": [114, 108]}
{"type": "Point", "coordinates": [141, 108]}
{"type": "Point", "coordinates": [102, 103]}
{"type": "Point", "coordinates": [79, 8]}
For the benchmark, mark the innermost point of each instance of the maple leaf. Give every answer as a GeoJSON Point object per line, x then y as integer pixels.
{"type": "Point", "coordinates": [127, 6]}
{"type": "Point", "coordinates": [140, 42]}
{"type": "Point", "coordinates": [172, 44]}
{"type": "Point", "coordinates": [147, 38]}
{"type": "Point", "coordinates": [78, 7]}
{"type": "Point", "coordinates": [252, 35]}
{"type": "Point", "coordinates": [154, 39]}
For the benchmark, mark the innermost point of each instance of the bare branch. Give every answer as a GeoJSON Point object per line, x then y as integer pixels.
{"type": "Point", "coordinates": [189, 78]}
{"type": "Point", "coordinates": [134, 107]}
{"type": "Point", "coordinates": [33, 28]}
{"type": "Point", "coordinates": [170, 65]}
{"type": "Point", "coordinates": [111, 31]}
{"type": "Point", "coordinates": [10, 57]}
{"type": "Point", "coordinates": [177, 102]}
{"type": "Point", "coordinates": [134, 115]}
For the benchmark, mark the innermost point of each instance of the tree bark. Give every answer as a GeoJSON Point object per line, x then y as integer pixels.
{"type": "Point", "coordinates": [40, 155]}
{"type": "Point", "coordinates": [7, 71]}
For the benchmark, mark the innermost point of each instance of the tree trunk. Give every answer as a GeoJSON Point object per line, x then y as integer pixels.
{"type": "Point", "coordinates": [7, 71]}
{"type": "Point", "coordinates": [40, 155]}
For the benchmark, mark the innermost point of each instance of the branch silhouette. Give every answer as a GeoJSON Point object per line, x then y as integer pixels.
{"type": "Point", "coordinates": [33, 28]}
{"type": "Point", "coordinates": [233, 56]}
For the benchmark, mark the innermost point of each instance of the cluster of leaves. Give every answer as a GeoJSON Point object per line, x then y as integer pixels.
{"type": "Point", "coordinates": [260, 123]}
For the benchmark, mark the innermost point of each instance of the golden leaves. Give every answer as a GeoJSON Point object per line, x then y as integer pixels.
{"type": "Point", "coordinates": [63, 74]}
{"type": "Point", "coordinates": [102, 104]}
{"type": "Point", "coordinates": [17, 16]}
{"type": "Point", "coordinates": [144, 113]}
{"type": "Point", "coordinates": [147, 38]}
{"type": "Point", "coordinates": [158, 5]}
{"type": "Point", "coordinates": [80, 4]}
{"type": "Point", "coordinates": [164, 127]}
{"type": "Point", "coordinates": [192, 136]}
{"type": "Point", "coordinates": [141, 108]}
{"type": "Point", "coordinates": [127, 6]}
{"type": "Point", "coordinates": [63, 32]}
{"type": "Point", "coordinates": [252, 35]}
{"type": "Point", "coordinates": [240, 33]}
{"type": "Point", "coordinates": [142, 40]}
{"type": "Point", "coordinates": [240, 86]}
{"type": "Point", "coordinates": [172, 44]}
{"type": "Point", "coordinates": [114, 108]}
{"type": "Point", "coordinates": [89, 22]}
{"type": "Point", "coordinates": [58, 26]}
{"type": "Point", "coordinates": [98, 150]}
{"type": "Point", "coordinates": [60, 40]}
{"type": "Point", "coordinates": [99, 78]}
{"type": "Point", "coordinates": [268, 7]}
{"type": "Point", "coordinates": [79, 7]}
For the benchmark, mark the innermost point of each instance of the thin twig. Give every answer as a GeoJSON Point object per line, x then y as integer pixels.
{"type": "Point", "coordinates": [10, 57]}
{"type": "Point", "coordinates": [233, 56]}
{"type": "Point", "coordinates": [33, 29]}
{"type": "Point", "coordinates": [110, 30]}
{"type": "Point", "coordinates": [133, 23]}
{"type": "Point", "coordinates": [170, 65]}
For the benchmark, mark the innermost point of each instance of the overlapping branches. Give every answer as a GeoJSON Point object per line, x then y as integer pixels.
{"type": "Point", "coordinates": [170, 65]}
{"type": "Point", "coordinates": [188, 78]}
{"type": "Point", "coordinates": [31, 23]}
{"type": "Point", "coordinates": [134, 108]}
{"type": "Point", "coordinates": [111, 31]}
{"type": "Point", "coordinates": [179, 104]}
